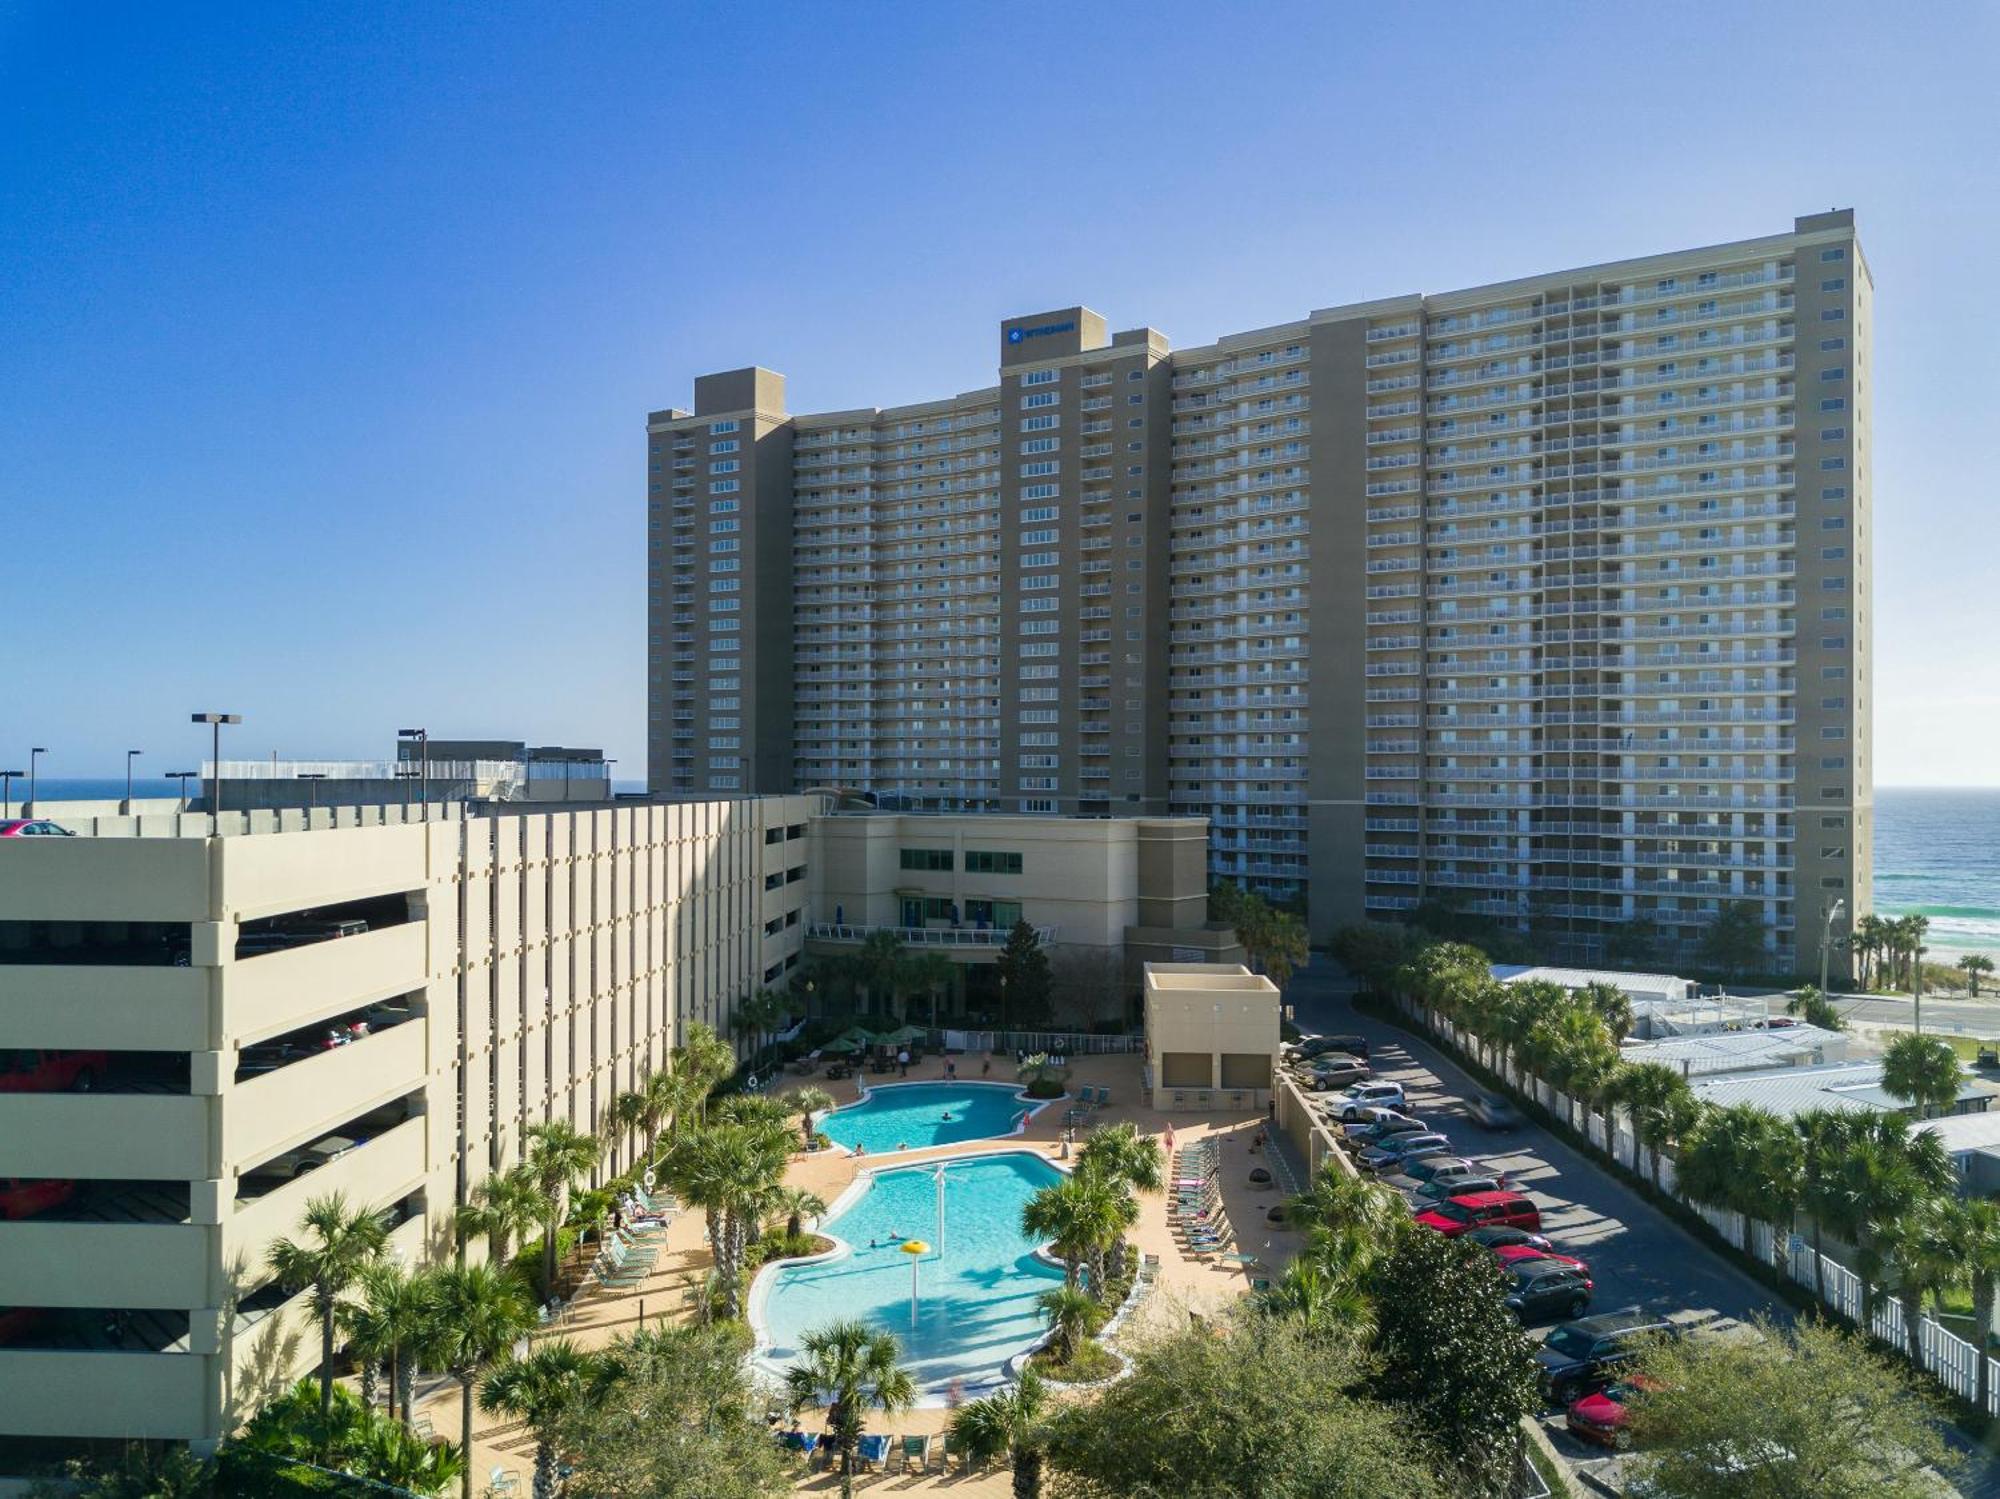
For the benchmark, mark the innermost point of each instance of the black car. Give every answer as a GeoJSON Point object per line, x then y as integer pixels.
{"type": "Point", "coordinates": [1545, 1289]}
{"type": "Point", "coordinates": [1582, 1356]}
{"type": "Point", "coordinates": [1354, 1046]}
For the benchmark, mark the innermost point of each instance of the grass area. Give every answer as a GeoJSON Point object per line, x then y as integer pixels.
{"type": "Point", "coordinates": [1967, 1047]}
{"type": "Point", "coordinates": [1092, 1361]}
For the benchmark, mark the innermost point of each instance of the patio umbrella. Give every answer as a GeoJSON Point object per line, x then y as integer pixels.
{"type": "Point", "coordinates": [841, 1045]}
{"type": "Point", "coordinates": [904, 1035]}
{"type": "Point", "coordinates": [859, 1035]}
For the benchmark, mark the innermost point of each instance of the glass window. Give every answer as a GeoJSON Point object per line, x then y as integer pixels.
{"type": "Point", "coordinates": [928, 860]}
{"type": "Point", "coordinates": [983, 861]}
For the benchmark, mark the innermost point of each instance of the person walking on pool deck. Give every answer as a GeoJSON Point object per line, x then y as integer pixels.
{"type": "Point", "coordinates": [903, 1060]}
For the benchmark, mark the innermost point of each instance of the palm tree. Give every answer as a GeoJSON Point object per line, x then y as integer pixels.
{"type": "Point", "coordinates": [847, 1368]}
{"type": "Point", "coordinates": [341, 1241]}
{"type": "Point", "coordinates": [1971, 1229]}
{"type": "Point", "coordinates": [1613, 1006]}
{"type": "Point", "coordinates": [349, 1435]}
{"type": "Point", "coordinates": [1973, 965]}
{"type": "Point", "coordinates": [559, 1155]}
{"type": "Point", "coordinates": [540, 1390]}
{"type": "Point", "coordinates": [703, 1060]}
{"type": "Point", "coordinates": [727, 1170]}
{"type": "Point", "coordinates": [880, 964]}
{"type": "Point", "coordinates": [503, 1207]}
{"type": "Point", "coordinates": [806, 1102]}
{"type": "Point", "coordinates": [1920, 1247]}
{"type": "Point", "coordinates": [1744, 1159]}
{"type": "Point", "coordinates": [1886, 1174]}
{"type": "Point", "coordinates": [386, 1327]}
{"type": "Point", "coordinates": [478, 1313]}
{"type": "Point", "coordinates": [797, 1204]}
{"type": "Point", "coordinates": [1872, 936]}
{"type": "Point", "coordinates": [1123, 1155]}
{"type": "Point", "coordinates": [1009, 1422]}
{"type": "Point", "coordinates": [1320, 1297]}
{"type": "Point", "coordinates": [930, 973]}
{"type": "Point", "coordinates": [1073, 1315]}
{"type": "Point", "coordinates": [1082, 1216]}
{"type": "Point", "coordinates": [1659, 1103]}
{"type": "Point", "coordinates": [1823, 1139]}
{"type": "Point", "coordinates": [1923, 1071]}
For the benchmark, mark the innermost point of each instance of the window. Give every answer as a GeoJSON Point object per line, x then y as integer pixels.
{"type": "Point", "coordinates": [1038, 423]}
{"type": "Point", "coordinates": [726, 466]}
{"type": "Point", "coordinates": [1039, 491]}
{"type": "Point", "coordinates": [1838, 372]}
{"type": "Point", "coordinates": [1834, 820]}
{"type": "Point", "coordinates": [1830, 464]}
{"type": "Point", "coordinates": [928, 860]}
{"type": "Point", "coordinates": [1834, 403]}
{"type": "Point", "coordinates": [1833, 315]}
{"type": "Point", "coordinates": [1833, 673]}
{"type": "Point", "coordinates": [1833, 523]}
{"type": "Point", "coordinates": [1833, 642]}
{"type": "Point", "coordinates": [1135, 374]}
{"type": "Point", "coordinates": [1836, 492]}
{"type": "Point", "coordinates": [1828, 345]}
{"type": "Point", "coordinates": [1839, 612]}
{"type": "Point", "coordinates": [1038, 538]}
{"type": "Point", "coordinates": [1833, 762]}
{"type": "Point", "coordinates": [722, 507]}
{"type": "Point", "coordinates": [1041, 445]}
{"type": "Point", "coordinates": [1836, 253]}
{"type": "Point", "coordinates": [1041, 377]}
{"type": "Point", "coordinates": [1833, 702]}
{"type": "Point", "coordinates": [717, 429]}
{"type": "Point", "coordinates": [983, 861]}
{"type": "Point", "coordinates": [1039, 469]}
{"type": "Point", "coordinates": [1039, 398]}
{"type": "Point", "coordinates": [1833, 554]}
{"type": "Point", "coordinates": [1834, 283]}
{"type": "Point", "coordinates": [724, 486]}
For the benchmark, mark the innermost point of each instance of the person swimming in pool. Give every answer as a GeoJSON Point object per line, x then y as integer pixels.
{"type": "Point", "coordinates": [945, 1118]}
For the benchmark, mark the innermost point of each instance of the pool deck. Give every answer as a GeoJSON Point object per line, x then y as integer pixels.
{"type": "Point", "coordinates": [1185, 1285]}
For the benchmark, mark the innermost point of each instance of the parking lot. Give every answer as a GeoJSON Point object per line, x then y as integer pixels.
{"type": "Point", "coordinates": [1637, 1255]}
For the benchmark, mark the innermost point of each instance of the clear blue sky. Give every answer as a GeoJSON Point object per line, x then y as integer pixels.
{"type": "Point", "coordinates": [327, 333]}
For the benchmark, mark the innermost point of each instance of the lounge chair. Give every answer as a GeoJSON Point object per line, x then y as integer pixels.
{"type": "Point", "coordinates": [1104, 1098]}
{"type": "Point", "coordinates": [916, 1453]}
{"type": "Point", "coordinates": [803, 1442]}
{"type": "Point", "coordinates": [874, 1448]}
{"type": "Point", "coordinates": [420, 1427]}
{"type": "Point", "coordinates": [1248, 1261]}
{"type": "Point", "coordinates": [941, 1444]}
{"type": "Point", "coordinates": [503, 1481]}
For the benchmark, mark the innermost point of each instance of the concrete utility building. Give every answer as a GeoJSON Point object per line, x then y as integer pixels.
{"type": "Point", "coordinates": [1212, 1034]}
{"type": "Point", "coordinates": [1550, 596]}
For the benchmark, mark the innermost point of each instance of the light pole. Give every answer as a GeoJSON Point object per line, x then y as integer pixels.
{"type": "Point", "coordinates": [315, 777]}
{"type": "Point", "coordinates": [423, 738]}
{"type": "Point", "coordinates": [916, 1249]}
{"type": "Point", "coordinates": [130, 756]}
{"type": "Point", "coordinates": [1826, 939]}
{"type": "Point", "coordinates": [183, 776]}
{"type": "Point", "coordinates": [407, 776]}
{"type": "Point", "coordinates": [7, 780]}
{"type": "Point", "coordinates": [33, 755]}
{"type": "Point", "coordinates": [215, 721]}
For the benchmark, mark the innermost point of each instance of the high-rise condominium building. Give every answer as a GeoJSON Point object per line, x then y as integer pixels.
{"type": "Point", "coordinates": [1548, 599]}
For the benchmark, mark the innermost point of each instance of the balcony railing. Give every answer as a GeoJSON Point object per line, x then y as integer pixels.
{"type": "Point", "coordinates": [912, 936]}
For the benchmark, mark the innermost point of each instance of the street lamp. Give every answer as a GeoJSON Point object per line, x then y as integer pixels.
{"type": "Point", "coordinates": [315, 777]}
{"type": "Point", "coordinates": [7, 780]}
{"type": "Point", "coordinates": [1826, 939]}
{"type": "Point", "coordinates": [215, 721]}
{"type": "Point", "coordinates": [130, 756]}
{"type": "Point", "coordinates": [33, 755]}
{"type": "Point", "coordinates": [183, 776]}
{"type": "Point", "coordinates": [423, 738]}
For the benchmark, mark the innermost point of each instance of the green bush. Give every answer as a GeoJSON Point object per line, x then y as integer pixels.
{"type": "Point", "coordinates": [1045, 1087]}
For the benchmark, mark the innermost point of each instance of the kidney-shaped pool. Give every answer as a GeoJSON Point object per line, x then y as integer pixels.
{"type": "Point", "coordinates": [914, 1116]}
{"type": "Point", "coordinates": [977, 1285]}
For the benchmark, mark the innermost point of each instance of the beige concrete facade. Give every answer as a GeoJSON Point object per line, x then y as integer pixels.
{"type": "Point", "coordinates": [1212, 1033]}
{"type": "Point", "coordinates": [1548, 597]}
{"type": "Point", "coordinates": [515, 967]}
{"type": "Point", "coordinates": [1114, 891]}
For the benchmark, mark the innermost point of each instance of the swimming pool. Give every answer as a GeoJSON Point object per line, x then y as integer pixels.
{"type": "Point", "coordinates": [911, 1116]}
{"type": "Point", "coordinates": [976, 1303]}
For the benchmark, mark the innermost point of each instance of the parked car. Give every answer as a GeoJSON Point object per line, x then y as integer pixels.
{"type": "Point", "coordinates": [1361, 1137]}
{"type": "Point", "coordinates": [1501, 1237]}
{"type": "Point", "coordinates": [1544, 1289]}
{"type": "Point", "coordinates": [1366, 1096]}
{"type": "Point", "coordinates": [298, 1161]}
{"type": "Point", "coordinates": [1388, 1157]}
{"type": "Point", "coordinates": [28, 1070]}
{"type": "Point", "coordinates": [1444, 1191]}
{"type": "Point", "coordinates": [1580, 1357]}
{"type": "Point", "coordinates": [1481, 1210]}
{"type": "Point", "coordinates": [1602, 1417]}
{"type": "Point", "coordinates": [34, 827]}
{"type": "Point", "coordinates": [25, 1196]}
{"type": "Point", "coordinates": [1493, 1111]}
{"type": "Point", "coordinates": [1337, 1070]}
{"type": "Point", "coordinates": [1518, 1254]}
{"type": "Point", "coordinates": [1354, 1046]}
{"type": "Point", "coordinates": [1433, 1168]}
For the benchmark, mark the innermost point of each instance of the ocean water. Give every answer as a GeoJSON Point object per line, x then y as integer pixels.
{"type": "Point", "coordinates": [1937, 854]}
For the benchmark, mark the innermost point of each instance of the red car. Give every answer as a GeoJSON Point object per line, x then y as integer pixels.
{"type": "Point", "coordinates": [1482, 1210]}
{"type": "Point", "coordinates": [30, 1071]}
{"type": "Point", "coordinates": [1513, 1254]}
{"type": "Point", "coordinates": [33, 827]}
{"type": "Point", "coordinates": [1601, 1418]}
{"type": "Point", "coordinates": [23, 1197]}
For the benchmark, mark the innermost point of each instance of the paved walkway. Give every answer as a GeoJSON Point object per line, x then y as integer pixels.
{"type": "Point", "coordinates": [1185, 1285]}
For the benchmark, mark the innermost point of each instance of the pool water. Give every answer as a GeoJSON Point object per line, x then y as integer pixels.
{"type": "Point", "coordinates": [976, 1303]}
{"type": "Point", "coordinates": [911, 1116]}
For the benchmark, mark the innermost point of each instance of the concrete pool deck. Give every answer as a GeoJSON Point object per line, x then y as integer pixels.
{"type": "Point", "coordinates": [1185, 1285]}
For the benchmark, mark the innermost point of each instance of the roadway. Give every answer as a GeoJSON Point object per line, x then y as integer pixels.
{"type": "Point", "coordinates": [1638, 1256]}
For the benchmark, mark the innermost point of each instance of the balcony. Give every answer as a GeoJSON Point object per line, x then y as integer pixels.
{"type": "Point", "coordinates": [975, 937]}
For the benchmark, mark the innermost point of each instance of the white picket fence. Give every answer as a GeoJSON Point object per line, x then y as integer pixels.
{"type": "Point", "coordinates": [1951, 1359]}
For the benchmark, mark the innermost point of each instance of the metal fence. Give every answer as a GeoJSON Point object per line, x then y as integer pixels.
{"type": "Point", "coordinates": [1033, 1043]}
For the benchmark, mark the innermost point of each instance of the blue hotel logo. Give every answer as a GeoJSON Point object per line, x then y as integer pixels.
{"type": "Point", "coordinates": [1015, 335]}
